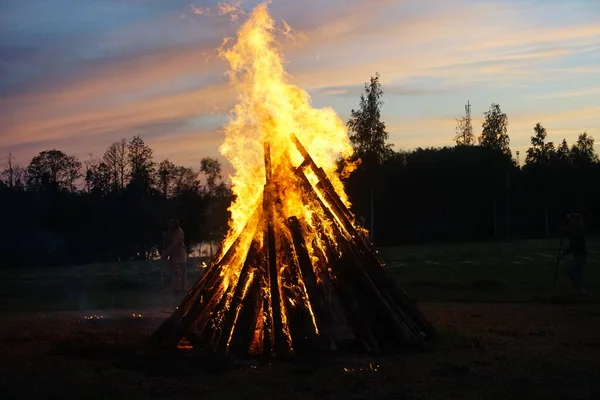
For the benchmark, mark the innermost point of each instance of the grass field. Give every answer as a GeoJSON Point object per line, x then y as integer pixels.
{"type": "Point", "coordinates": [504, 334]}
{"type": "Point", "coordinates": [519, 271]}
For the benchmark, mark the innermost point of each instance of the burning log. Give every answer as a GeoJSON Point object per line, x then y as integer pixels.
{"type": "Point", "coordinates": [288, 285]}
{"type": "Point", "coordinates": [295, 273]}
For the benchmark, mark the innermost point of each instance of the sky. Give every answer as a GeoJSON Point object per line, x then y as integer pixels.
{"type": "Point", "coordinates": [79, 75]}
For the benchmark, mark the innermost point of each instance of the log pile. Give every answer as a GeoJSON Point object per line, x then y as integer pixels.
{"type": "Point", "coordinates": [296, 289]}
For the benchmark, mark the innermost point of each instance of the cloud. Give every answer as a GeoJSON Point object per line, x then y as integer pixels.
{"type": "Point", "coordinates": [119, 118]}
{"type": "Point", "coordinates": [159, 76]}
{"type": "Point", "coordinates": [569, 93]}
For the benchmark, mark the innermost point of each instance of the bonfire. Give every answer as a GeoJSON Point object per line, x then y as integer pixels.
{"type": "Point", "coordinates": [295, 272]}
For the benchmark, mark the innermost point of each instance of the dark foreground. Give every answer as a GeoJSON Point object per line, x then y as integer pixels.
{"type": "Point", "coordinates": [492, 351]}
{"type": "Point", "coordinates": [505, 333]}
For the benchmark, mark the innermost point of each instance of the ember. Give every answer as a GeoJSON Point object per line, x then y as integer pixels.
{"type": "Point", "coordinates": [295, 272]}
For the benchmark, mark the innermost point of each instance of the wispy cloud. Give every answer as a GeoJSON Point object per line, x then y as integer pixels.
{"type": "Point", "coordinates": [154, 73]}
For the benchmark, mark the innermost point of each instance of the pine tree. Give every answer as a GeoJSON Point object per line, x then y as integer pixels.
{"type": "Point", "coordinates": [495, 127]}
{"type": "Point", "coordinates": [367, 132]}
{"type": "Point", "coordinates": [540, 152]}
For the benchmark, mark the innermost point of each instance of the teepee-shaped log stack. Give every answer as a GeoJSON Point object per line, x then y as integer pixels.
{"type": "Point", "coordinates": [283, 298]}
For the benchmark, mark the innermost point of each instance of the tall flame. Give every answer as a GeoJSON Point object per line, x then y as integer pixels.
{"type": "Point", "coordinates": [294, 255]}
{"type": "Point", "coordinates": [269, 109]}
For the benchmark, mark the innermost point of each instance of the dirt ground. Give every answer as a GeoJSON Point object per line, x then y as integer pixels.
{"type": "Point", "coordinates": [485, 351]}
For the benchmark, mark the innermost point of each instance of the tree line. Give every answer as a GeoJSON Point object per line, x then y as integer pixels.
{"type": "Point", "coordinates": [59, 210]}
{"type": "Point", "coordinates": [474, 190]}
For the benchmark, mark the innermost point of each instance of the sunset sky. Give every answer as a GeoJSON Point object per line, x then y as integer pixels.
{"type": "Point", "coordinates": [78, 75]}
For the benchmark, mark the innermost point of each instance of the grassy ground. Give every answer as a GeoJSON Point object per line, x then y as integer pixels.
{"type": "Point", "coordinates": [504, 334]}
{"type": "Point", "coordinates": [519, 271]}
{"type": "Point", "coordinates": [96, 286]}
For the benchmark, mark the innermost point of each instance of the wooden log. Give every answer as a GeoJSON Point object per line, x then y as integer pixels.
{"type": "Point", "coordinates": [244, 329]}
{"type": "Point", "coordinates": [353, 270]}
{"type": "Point", "coordinates": [378, 311]}
{"type": "Point", "coordinates": [314, 292]}
{"type": "Point", "coordinates": [245, 279]}
{"type": "Point", "coordinates": [358, 299]}
{"type": "Point", "coordinates": [395, 294]}
{"type": "Point", "coordinates": [301, 311]}
{"type": "Point", "coordinates": [353, 313]}
{"type": "Point", "coordinates": [309, 162]}
{"type": "Point", "coordinates": [377, 271]}
{"type": "Point", "coordinates": [206, 324]}
{"type": "Point", "coordinates": [275, 303]}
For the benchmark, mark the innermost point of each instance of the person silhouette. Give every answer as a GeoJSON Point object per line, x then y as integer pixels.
{"type": "Point", "coordinates": [576, 247]}
{"type": "Point", "coordinates": [176, 252]}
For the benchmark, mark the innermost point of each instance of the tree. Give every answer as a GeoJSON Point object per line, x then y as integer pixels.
{"type": "Point", "coordinates": [98, 178]}
{"type": "Point", "coordinates": [215, 219]}
{"type": "Point", "coordinates": [494, 134]}
{"type": "Point", "coordinates": [115, 159]}
{"type": "Point", "coordinates": [583, 152]}
{"type": "Point", "coordinates": [165, 177]}
{"type": "Point", "coordinates": [211, 168]}
{"type": "Point", "coordinates": [368, 137]}
{"type": "Point", "coordinates": [563, 154]}
{"type": "Point", "coordinates": [12, 175]}
{"type": "Point", "coordinates": [539, 162]}
{"type": "Point", "coordinates": [53, 169]}
{"type": "Point", "coordinates": [367, 132]}
{"type": "Point", "coordinates": [540, 152]}
{"type": "Point", "coordinates": [142, 166]}
{"type": "Point", "coordinates": [185, 180]}
{"type": "Point", "coordinates": [464, 129]}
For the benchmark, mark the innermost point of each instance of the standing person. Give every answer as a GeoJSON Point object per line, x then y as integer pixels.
{"type": "Point", "coordinates": [177, 254]}
{"type": "Point", "coordinates": [578, 249]}
{"type": "Point", "coordinates": [165, 273]}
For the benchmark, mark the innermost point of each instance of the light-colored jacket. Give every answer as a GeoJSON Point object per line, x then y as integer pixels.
{"type": "Point", "coordinates": [176, 248]}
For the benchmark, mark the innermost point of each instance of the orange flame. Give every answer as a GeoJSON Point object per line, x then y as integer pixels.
{"type": "Point", "coordinates": [275, 135]}
{"type": "Point", "coordinates": [270, 109]}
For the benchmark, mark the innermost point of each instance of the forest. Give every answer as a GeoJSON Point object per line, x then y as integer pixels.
{"type": "Point", "coordinates": [59, 210]}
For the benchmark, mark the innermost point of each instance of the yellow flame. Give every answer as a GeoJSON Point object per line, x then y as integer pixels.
{"type": "Point", "coordinates": [270, 109]}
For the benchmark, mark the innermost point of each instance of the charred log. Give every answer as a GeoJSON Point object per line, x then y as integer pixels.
{"type": "Point", "coordinates": [290, 285]}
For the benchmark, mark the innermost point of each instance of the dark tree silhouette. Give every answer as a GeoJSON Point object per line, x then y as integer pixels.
{"type": "Point", "coordinates": [563, 154]}
{"type": "Point", "coordinates": [142, 166]}
{"type": "Point", "coordinates": [185, 180]}
{"type": "Point", "coordinates": [211, 168]}
{"type": "Point", "coordinates": [98, 178]}
{"type": "Point", "coordinates": [539, 163]}
{"type": "Point", "coordinates": [13, 176]}
{"type": "Point", "coordinates": [117, 162]}
{"type": "Point", "coordinates": [369, 139]}
{"type": "Point", "coordinates": [367, 132]}
{"type": "Point", "coordinates": [166, 178]}
{"type": "Point", "coordinates": [540, 152]}
{"type": "Point", "coordinates": [583, 151]}
{"type": "Point", "coordinates": [53, 169]}
{"type": "Point", "coordinates": [494, 136]}
{"type": "Point", "coordinates": [426, 194]}
{"type": "Point", "coordinates": [495, 130]}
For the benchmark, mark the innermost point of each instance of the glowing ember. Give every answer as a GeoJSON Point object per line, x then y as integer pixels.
{"type": "Point", "coordinates": [294, 271]}
{"type": "Point", "coordinates": [92, 317]}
